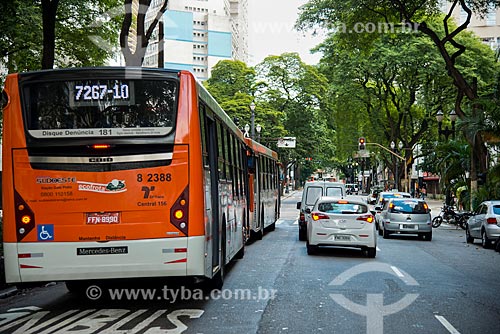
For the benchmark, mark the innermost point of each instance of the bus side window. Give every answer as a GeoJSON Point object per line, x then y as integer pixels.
{"type": "Point", "coordinates": [242, 156]}
{"type": "Point", "coordinates": [220, 142]}
{"type": "Point", "coordinates": [234, 167]}
{"type": "Point", "coordinates": [229, 158]}
{"type": "Point", "coordinates": [203, 128]}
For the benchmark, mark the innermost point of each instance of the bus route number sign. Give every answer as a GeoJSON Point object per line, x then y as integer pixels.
{"type": "Point", "coordinates": [94, 218]}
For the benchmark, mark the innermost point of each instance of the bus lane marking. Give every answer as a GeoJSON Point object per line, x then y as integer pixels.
{"type": "Point", "coordinates": [108, 321]}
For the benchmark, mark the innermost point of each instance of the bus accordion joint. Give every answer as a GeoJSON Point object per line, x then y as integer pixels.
{"type": "Point", "coordinates": [25, 218]}
{"type": "Point", "coordinates": [179, 212]}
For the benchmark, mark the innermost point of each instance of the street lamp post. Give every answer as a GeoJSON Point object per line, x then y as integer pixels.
{"type": "Point", "coordinates": [252, 120]}
{"type": "Point", "coordinates": [393, 147]}
{"type": "Point", "coordinates": [258, 128]}
{"type": "Point", "coordinates": [446, 132]}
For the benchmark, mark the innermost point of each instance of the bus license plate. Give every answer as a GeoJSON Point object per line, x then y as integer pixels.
{"type": "Point", "coordinates": [94, 218]}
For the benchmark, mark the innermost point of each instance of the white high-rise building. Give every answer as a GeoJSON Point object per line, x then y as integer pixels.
{"type": "Point", "coordinates": [199, 33]}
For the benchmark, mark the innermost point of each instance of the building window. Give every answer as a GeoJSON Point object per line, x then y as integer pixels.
{"type": "Point", "coordinates": [491, 17]}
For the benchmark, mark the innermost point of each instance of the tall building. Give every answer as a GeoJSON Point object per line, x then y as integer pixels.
{"type": "Point", "coordinates": [199, 33]}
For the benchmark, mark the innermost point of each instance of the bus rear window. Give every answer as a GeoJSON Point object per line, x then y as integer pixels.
{"type": "Point", "coordinates": [100, 108]}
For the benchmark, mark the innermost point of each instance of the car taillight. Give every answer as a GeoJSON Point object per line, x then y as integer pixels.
{"type": "Point", "coordinates": [491, 220]}
{"type": "Point", "coordinates": [317, 216]}
{"type": "Point", "coordinates": [366, 218]}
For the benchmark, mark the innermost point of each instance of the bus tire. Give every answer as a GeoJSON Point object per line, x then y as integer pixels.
{"type": "Point", "coordinates": [75, 287]}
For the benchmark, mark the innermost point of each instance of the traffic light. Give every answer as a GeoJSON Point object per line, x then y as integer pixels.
{"type": "Point", "coordinates": [361, 143]}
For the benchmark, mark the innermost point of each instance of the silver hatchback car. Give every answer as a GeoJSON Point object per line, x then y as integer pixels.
{"type": "Point", "coordinates": [405, 216]}
{"type": "Point", "coordinates": [484, 224]}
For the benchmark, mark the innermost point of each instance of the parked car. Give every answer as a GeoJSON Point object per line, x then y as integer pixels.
{"type": "Point", "coordinates": [484, 224]}
{"type": "Point", "coordinates": [312, 191]}
{"type": "Point", "coordinates": [382, 197]}
{"type": "Point", "coordinates": [405, 216]}
{"type": "Point", "coordinates": [341, 222]}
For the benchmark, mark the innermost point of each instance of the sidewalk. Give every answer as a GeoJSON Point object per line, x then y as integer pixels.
{"type": "Point", "coordinates": [435, 204]}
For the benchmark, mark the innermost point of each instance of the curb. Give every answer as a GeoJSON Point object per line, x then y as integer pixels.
{"type": "Point", "coordinates": [8, 292]}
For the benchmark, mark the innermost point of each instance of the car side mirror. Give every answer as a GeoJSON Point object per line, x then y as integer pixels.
{"type": "Point", "coordinates": [298, 205]}
{"type": "Point", "coordinates": [308, 210]}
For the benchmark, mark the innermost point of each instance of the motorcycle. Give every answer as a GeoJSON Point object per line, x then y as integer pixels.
{"type": "Point", "coordinates": [450, 216]}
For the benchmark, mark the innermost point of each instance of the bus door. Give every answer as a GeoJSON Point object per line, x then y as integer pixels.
{"type": "Point", "coordinates": [257, 193]}
{"type": "Point", "coordinates": [212, 149]}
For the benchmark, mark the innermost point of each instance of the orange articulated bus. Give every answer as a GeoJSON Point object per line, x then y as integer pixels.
{"type": "Point", "coordinates": [119, 173]}
{"type": "Point", "coordinates": [264, 195]}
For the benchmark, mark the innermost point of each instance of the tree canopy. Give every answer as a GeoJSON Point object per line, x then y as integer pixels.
{"type": "Point", "coordinates": [43, 34]}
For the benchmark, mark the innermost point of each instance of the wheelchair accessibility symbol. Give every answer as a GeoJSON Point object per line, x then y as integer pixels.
{"type": "Point", "coordinates": [45, 232]}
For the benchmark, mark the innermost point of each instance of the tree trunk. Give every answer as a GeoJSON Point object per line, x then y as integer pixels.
{"type": "Point", "coordinates": [141, 36]}
{"type": "Point", "coordinates": [477, 144]}
{"type": "Point", "coordinates": [49, 11]}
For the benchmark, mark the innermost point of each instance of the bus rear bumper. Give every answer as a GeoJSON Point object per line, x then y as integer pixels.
{"type": "Point", "coordinates": [62, 261]}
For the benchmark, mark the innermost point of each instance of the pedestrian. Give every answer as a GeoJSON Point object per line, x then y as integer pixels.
{"type": "Point", "coordinates": [423, 192]}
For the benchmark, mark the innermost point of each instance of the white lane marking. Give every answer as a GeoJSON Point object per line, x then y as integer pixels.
{"type": "Point", "coordinates": [396, 270]}
{"type": "Point", "coordinates": [447, 325]}
{"type": "Point", "coordinates": [296, 222]}
{"type": "Point", "coordinates": [378, 249]}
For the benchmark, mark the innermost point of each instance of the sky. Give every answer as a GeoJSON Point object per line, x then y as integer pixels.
{"type": "Point", "coordinates": [270, 29]}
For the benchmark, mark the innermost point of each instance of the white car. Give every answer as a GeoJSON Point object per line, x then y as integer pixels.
{"type": "Point", "coordinates": [341, 222]}
{"type": "Point", "coordinates": [484, 224]}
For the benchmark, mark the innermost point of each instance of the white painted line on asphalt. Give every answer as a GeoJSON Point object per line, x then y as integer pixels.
{"type": "Point", "coordinates": [396, 270]}
{"type": "Point", "coordinates": [447, 325]}
{"type": "Point", "coordinates": [378, 249]}
{"type": "Point", "coordinates": [296, 222]}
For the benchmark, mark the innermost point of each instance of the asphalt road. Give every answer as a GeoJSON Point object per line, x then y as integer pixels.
{"type": "Point", "coordinates": [412, 286]}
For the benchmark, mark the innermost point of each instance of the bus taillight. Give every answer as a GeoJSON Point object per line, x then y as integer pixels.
{"type": "Point", "coordinates": [25, 218]}
{"type": "Point", "coordinates": [179, 212]}
{"type": "Point", "coordinates": [101, 146]}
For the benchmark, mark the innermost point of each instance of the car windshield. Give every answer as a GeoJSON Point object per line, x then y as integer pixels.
{"type": "Point", "coordinates": [342, 208]}
{"type": "Point", "coordinates": [313, 193]}
{"type": "Point", "coordinates": [401, 206]}
{"type": "Point", "coordinates": [334, 191]}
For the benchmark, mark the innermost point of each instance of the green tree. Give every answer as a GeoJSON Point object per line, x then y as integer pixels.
{"type": "Point", "coordinates": [297, 91]}
{"type": "Point", "coordinates": [230, 77]}
{"type": "Point", "coordinates": [391, 91]}
{"type": "Point", "coordinates": [41, 34]}
{"type": "Point", "coordinates": [234, 86]}
{"type": "Point", "coordinates": [346, 15]}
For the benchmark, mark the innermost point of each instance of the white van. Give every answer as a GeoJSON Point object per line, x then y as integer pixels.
{"type": "Point", "coordinates": [312, 191]}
